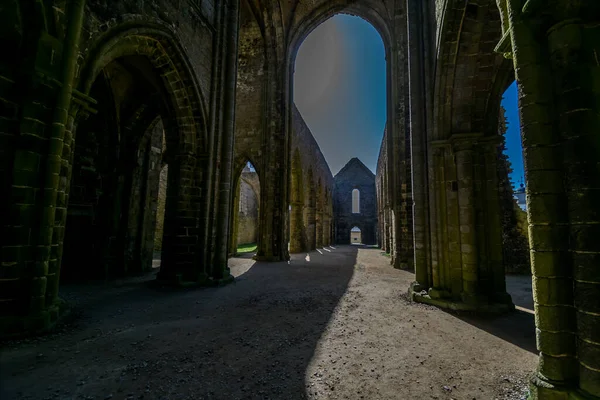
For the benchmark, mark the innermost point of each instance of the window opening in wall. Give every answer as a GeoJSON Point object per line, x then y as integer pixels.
{"type": "Point", "coordinates": [355, 201]}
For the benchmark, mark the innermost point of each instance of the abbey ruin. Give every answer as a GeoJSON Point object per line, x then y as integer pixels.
{"type": "Point", "coordinates": [100, 98]}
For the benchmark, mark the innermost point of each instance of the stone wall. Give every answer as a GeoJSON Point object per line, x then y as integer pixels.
{"type": "Point", "coordinates": [85, 97]}
{"type": "Point", "coordinates": [312, 186]}
{"type": "Point", "coordinates": [384, 208]}
{"type": "Point", "coordinates": [355, 175]}
{"type": "Point", "coordinates": [248, 219]}
{"type": "Point", "coordinates": [160, 208]}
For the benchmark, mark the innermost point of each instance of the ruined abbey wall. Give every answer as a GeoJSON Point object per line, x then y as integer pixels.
{"type": "Point", "coordinates": [355, 176]}
{"type": "Point", "coordinates": [312, 185]}
{"type": "Point", "coordinates": [86, 95]}
{"type": "Point", "coordinates": [248, 219]}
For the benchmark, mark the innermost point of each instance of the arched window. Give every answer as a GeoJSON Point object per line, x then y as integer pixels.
{"type": "Point", "coordinates": [355, 201]}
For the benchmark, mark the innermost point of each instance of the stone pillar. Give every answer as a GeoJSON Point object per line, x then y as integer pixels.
{"type": "Point", "coordinates": [219, 270]}
{"type": "Point", "coordinates": [319, 229]}
{"type": "Point", "coordinates": [492, 220]}
{"type": "Point", "coordinates": [235, 214]}
{"type": "Point", "coordinates": [555, 52]}
{"type": "Point", "coordinates": [466, 201]}
{"type": "Point", "coordinates": [388, 230]}
{"type": "Point", "coordinates": [466, 271]}
{"type": "Point", "coordinates": [31, 227]}
{"type": "Point", "coordinates": [326, 229]}
{"type": "Point", "coordinates": [296, 228]}
{"type": "Point", "coordinates": [310, 228]}
{"type": "Point", "coordinates": [178, 266]}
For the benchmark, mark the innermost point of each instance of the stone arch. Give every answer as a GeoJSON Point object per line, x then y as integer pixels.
{"type": "Point", "coordinates": [238, 181]}
{"type": "Point", "coordinates": [161, 47]}
{"type": "Point", "coordinates": [319, 214]}
{"type": "Point", "coordinates": [463, 159]}
{"type": "Point", "coordinates": [467, 86]}
{"type": "Point", "coordinates": [328, 220]}
{"type": "Point", "coordinates": [165, 67]}
{"type": "Point", "coordinates": [241, 162]}
{"type": "Point", "coordinates": [326, 10]}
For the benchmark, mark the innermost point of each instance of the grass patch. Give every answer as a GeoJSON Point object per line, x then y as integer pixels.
{"type": "Point", "coordinates": [246, 248]}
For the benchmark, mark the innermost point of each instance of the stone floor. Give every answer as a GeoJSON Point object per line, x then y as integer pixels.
{"type": "Point", "coordinates": [333, 324]}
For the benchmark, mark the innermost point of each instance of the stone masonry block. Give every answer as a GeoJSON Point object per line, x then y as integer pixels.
{"type": "Point", "coordinates": [553, 291]}
{"type": "Point", "coordinates": [558, 368]}
{"type": "Point", "coordinates": [556, 343]}
{"type": "Point", "coordinates": [551, 263]}
{"type": "Point", "coordinates": [549, 237]}
{"type": "Point", "coordinates": [587, 297]}
{"type": "Point", "coordinates": [555, 318]}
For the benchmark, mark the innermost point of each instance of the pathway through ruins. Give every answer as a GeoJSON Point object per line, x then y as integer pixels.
{"type": "Point", "coordinates": [335, 325]}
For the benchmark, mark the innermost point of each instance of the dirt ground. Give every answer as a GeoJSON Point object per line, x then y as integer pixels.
{"type": "Point", "coordinates": [335, 327]}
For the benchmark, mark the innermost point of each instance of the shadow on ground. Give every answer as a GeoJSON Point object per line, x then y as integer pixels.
{"type": "Point", "coordinates": [252, 339]}
{"type": "Point", "coordinates": [516, 327]}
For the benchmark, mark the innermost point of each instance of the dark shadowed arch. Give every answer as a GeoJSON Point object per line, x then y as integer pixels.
{"type": "Point", "coordinates": [161, 47]}
{"type": "Point", "coordinates": [469, 73]}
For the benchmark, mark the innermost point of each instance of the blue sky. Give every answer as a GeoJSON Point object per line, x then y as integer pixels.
{"type": "Point", "coordinates": [513, 134]}
{"type": "Point", "coordinates": [340, 90]}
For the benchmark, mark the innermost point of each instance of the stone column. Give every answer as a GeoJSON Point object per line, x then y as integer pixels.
{"type": "Point", "coordinates": [32, 230]}
{"type": "Point", "coordinates": [219, 271]}
{"type": "Point", "coordinates": [554, 47]}
{"type": "Point", "coordinates": [235, 214]}
{"type": "Point", "coordinates": [417, 63]}
{"type": "Point", "coordinates": [493, 221]}
{"type": "Point", "coordinates": [388, 230]}
{"type": "Point", "coordinates": [296, 228]}
{"type": "Point", "coordinates": [326, 229]}
{"type": "Point", "coordinates": [310, 227]}
{"type": "Point", "coordinates": [466, 200]}
{"type": "Point", "coordinates": [466, 271]}
{"type": "Point", "coordinates": [319, 229]}
{"type": "Point", "coordinates": [178, 266]}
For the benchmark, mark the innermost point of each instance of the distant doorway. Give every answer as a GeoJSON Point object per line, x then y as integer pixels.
{"type": "Point", "coordinates": [355, 236]}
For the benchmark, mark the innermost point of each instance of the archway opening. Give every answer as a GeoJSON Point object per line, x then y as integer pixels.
{"type": "Point", "coordinates": [246, 213]}
{"type": "Point", "coordinates": [340, 91]}
{"type": "Point", "coordinates": [515, 236]}
{"type": "Point", "coordinates": [355, 235]}
{"type": "Point", "coordinates": [161, 203]}
{"type": "Point", "coordinates": [118, 155]}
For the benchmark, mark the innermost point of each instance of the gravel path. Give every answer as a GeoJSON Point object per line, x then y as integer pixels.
{"type": "Point", "coordinates": [335, 327]}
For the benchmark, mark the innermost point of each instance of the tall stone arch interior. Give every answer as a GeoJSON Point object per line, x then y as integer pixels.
{"type": "Point", "coordinates": [162, 196]}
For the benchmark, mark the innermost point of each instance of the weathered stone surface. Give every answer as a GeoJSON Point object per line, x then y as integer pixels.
{"type": "Point", "coordinates": [87, 83]}
{"type": "Point", "coordinates": [355, 203]}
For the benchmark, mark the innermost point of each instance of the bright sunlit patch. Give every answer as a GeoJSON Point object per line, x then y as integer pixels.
{"type": "Point", "coordinates": [320, 252]}
{"type": "Point", "coordinates": [527, 310]}
{"type": "Point", "coordinates": [326, 249]}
